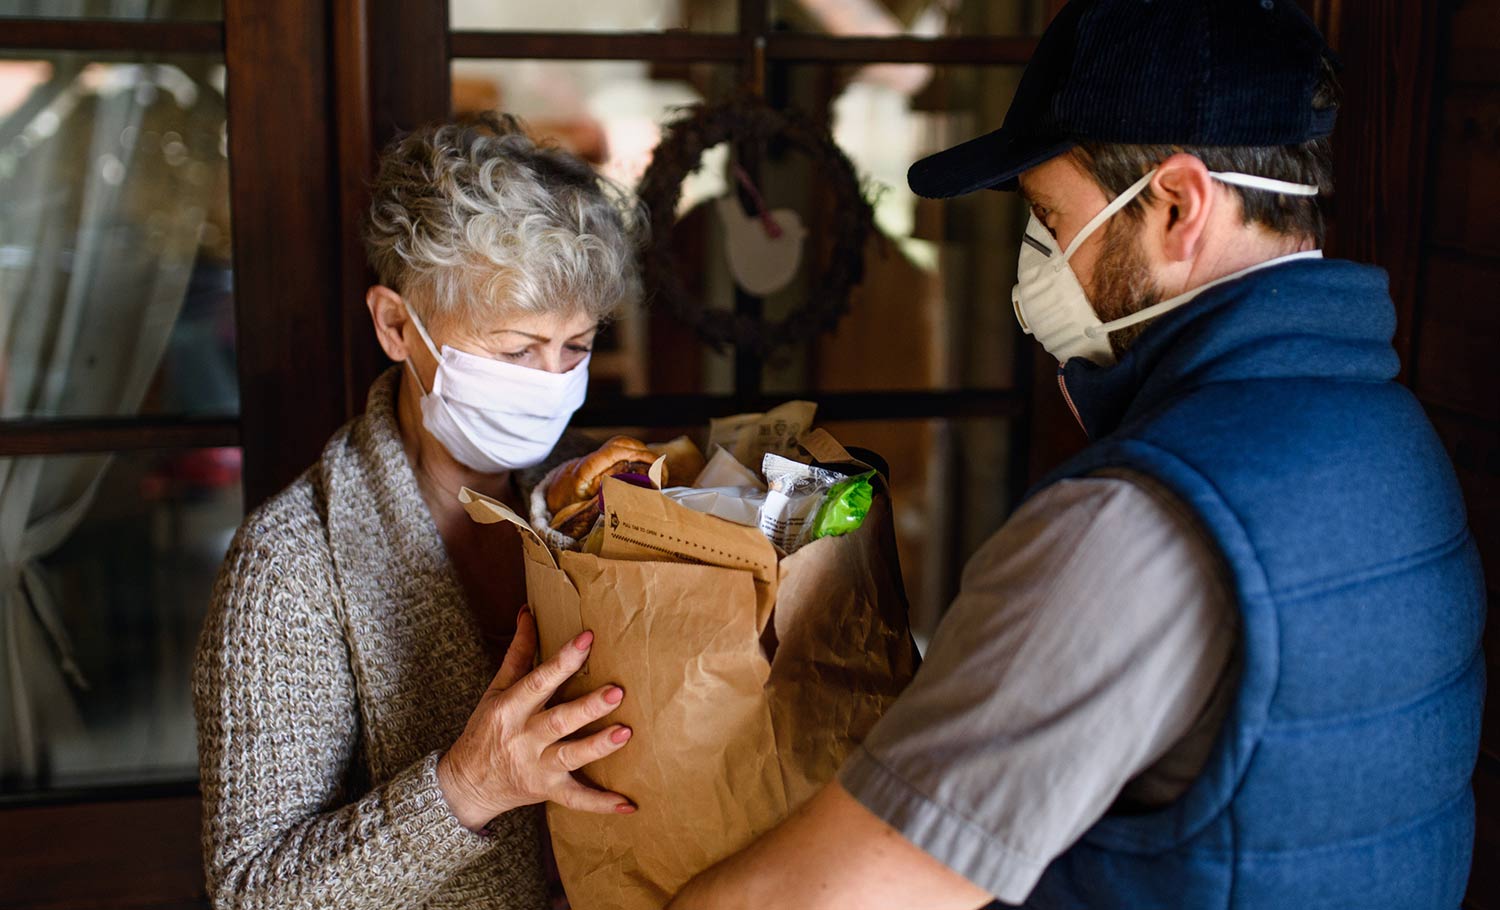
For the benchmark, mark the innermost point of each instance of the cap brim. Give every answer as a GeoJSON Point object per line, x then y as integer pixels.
{"type": "Point", "coordinates": [990, 162]}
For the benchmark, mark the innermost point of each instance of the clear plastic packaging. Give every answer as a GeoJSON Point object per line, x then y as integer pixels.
{"type": "Point", "coordinates": [795, 493]}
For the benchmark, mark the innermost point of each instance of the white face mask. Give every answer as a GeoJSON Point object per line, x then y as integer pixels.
{"type": "Point", "coordinates": [1051, 304]}
{"type": "Point", "coordinates": [493, 416]}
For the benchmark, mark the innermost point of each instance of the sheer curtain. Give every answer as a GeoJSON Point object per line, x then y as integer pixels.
{"type": "Point", "coordinates": [104, 192]}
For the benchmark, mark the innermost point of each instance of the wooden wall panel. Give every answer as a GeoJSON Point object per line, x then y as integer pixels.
{"type": "Point", "coordinates": [356, 167]}
{"type": "Point", "coordinates": [1474, 49]}
{"type": "Point", "coordinates": [1457, 372]}
{"type": "Point", "coordinates": [137, 854]}
{"type": "Point", "coordinates": [1475, 448]}
{"type": "Point", "coordinates": [392, 76]}
{"type": "Point", "coordinates": [1484, 880]}
{"type": "Point", "coordinates": [284, 199]}
{"type": "Point", "coordinates": [1466, 196]}
{"type": "Point", "coordinates": [1389, 51]}
{"type": "Point", "coordinates": [1490, 737]}
{"type": "Point", "coordinates": [1459, 333]}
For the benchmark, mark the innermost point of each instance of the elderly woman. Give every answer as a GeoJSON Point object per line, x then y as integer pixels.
{"type": "Point", "coordinates": [358, 747]}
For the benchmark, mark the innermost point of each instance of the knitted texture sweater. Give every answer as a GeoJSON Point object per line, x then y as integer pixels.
{"type": "Point", "coordinates": [339, 659]}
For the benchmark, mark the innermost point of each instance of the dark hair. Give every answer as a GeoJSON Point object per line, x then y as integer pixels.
{"type": "Point", "coordinates": [1117, 166]}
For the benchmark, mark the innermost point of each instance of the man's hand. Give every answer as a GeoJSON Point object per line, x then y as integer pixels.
{"type": "Point", "coordinates": [832, 854]}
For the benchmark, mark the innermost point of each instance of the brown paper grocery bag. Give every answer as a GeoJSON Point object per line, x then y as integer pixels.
{"type": "Point", "coordinates": [726, 741]}
{"type": "Point", "coordinates": [844, 649]}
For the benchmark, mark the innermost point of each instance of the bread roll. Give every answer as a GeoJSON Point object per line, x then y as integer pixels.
{"type": "Point", "coordinates": [577, 520]}
{"type": "Point", "coordinates": [579, 480]}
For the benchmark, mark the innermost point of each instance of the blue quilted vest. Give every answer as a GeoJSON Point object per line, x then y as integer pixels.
{"type": "Point", "coordinates": [1341, 775]}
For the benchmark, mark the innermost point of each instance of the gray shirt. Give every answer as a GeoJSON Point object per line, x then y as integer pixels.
{"type": "Point", "coordinates": [1088, 661]}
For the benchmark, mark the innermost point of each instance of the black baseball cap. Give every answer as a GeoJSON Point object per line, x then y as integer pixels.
{"type": "Point", "coordinates": [1149, 72]}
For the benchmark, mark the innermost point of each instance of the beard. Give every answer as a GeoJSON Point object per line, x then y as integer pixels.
{"type": "Point", "coordinates": [1122, 282]}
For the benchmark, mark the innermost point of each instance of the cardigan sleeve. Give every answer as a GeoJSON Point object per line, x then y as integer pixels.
{"type": "Point", "coordinates": [278, 732]}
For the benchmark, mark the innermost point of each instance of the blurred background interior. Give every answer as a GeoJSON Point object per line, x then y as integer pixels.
{"type": "Point", "coordinates": [182, 320]}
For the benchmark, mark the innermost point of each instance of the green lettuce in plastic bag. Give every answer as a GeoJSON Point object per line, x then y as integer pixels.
{"type": "Point", "coordinates": [845, 507]}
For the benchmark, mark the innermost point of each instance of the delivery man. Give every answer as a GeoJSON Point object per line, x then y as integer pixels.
{"type": "Point", "coordinates": [1230, 655]}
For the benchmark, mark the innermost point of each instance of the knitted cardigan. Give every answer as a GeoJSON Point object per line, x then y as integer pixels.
{"type": "Point", "coordinates": [339, 659]}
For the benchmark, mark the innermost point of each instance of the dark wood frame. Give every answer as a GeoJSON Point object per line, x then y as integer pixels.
{"type": "Point", "coordinates": [376, 102]}
{"type": "Point", "coordinates": [109, 35]}
{"type": "Point", "coordinates": [349, 74]}
{"type": "Point", "coordinates": [50, 437]}
{"type": "Point", "coordinates": [366, 69]}
{"type": "Point", "coordinates": [772, 46]}
{"type": "Point", "coordinates": [306, 351]}
{"type": "Point", "coordinates": [420, 96]}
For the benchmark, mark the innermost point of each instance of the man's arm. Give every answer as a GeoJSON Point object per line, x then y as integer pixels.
{"type": "Point", "coordinates": [1093, 636]}
{"type": "Point", "coordinates": [831, 854]}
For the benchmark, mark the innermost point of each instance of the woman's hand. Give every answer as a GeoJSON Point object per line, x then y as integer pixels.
{"type": "Point", "coordinates": [513, 753]}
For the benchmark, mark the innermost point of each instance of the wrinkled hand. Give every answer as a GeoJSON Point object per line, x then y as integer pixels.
{"type": "Point", "coordinates": [514, 753]}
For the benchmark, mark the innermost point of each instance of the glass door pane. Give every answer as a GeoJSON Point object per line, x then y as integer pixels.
{"type": "Point", "coordinates": [116, 293]}
{"type": "Point", "coordinates": [594, 15]}
{"type": "Point", "coordinates": [610, 114]}
{"type": "Point", "coordinates": [101, 625]}
{"type": "Point", "coordinates": [910, 18]}
{"type": "Point", "coordinates": [199, 10]}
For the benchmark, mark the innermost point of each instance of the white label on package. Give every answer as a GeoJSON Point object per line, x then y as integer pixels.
{"type": "Point", "coordinates": [783, 517]}
{"type": "Point", "coordinates": [797, 490]}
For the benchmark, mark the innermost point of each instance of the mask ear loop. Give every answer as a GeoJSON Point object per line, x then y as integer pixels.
{"type": "Point", "coordinates": [426, 339]}
{"type": "Point", "coordinates": [1250, 181]}
{"type": "Point", "coordinates": [1151, 312]}
{"type": "Point", "coordinates": [1108, 212]}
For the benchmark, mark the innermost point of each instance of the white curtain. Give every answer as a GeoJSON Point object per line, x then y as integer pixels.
{"type": "Point", "coordinates": [104, 193]}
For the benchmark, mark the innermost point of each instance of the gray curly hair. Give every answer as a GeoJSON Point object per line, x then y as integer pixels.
{"type": "Point", "coordinates": [471, 217]}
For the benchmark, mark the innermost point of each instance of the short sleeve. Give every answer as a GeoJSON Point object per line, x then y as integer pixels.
{"type": "Point", "coordinates": [1090, 636]}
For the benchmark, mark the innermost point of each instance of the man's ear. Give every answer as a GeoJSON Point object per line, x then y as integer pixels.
{"type": "Point", "coordinates": [388, 312]}
{"type": "Point", "coordinates": [1185, 193]}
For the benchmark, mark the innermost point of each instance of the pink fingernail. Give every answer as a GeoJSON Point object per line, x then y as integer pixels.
{"type": "Point", "coordinates": [614, 695]}
{"type": "Point", "coordinates": [620, 735]}
{"type": "Point", "coordinates": [625, 809]}
{"type": "Point", "coordinates": [583, 641]}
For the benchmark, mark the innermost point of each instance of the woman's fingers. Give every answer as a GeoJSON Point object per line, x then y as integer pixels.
{"type": "Point", "coordinates": [567, 719]}
{"type": "Point", "coordinates": [576, 795]}
{"type": "Point", "coordinates": [536, 687]}
{"type": "Point", "coordinates": [574, 754]}
{"type": "Point", "coordinates": [521, 653]}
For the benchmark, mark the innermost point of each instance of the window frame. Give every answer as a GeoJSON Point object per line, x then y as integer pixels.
{"type": "Point", "coordinates": [307, 352]}
{"type": "Point", "coordinates": [291, 386]}
{"type": "Point", "coordinates": [754, 46]}
{"type": "Point", "coordinates": [305, 348]}
{"type": "Point", "coordinates": [73, 436]}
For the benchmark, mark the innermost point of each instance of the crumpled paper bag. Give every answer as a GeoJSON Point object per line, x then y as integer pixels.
{"type": "Point", "coordinates": [735, 724]}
